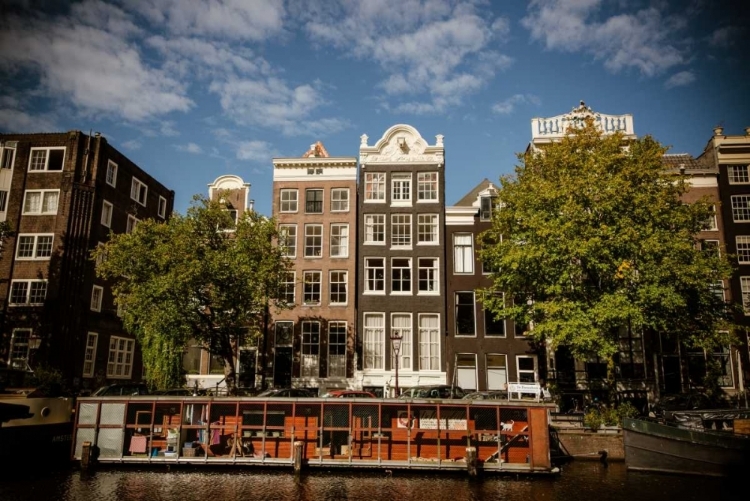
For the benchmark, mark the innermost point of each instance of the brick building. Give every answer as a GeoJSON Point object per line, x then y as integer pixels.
{"type": "Point", "coordinates": [63, 193]}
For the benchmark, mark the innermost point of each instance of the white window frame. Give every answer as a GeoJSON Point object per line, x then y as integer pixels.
{"type": "Point", "coordinates": [494, 369]}
{"type": "Point", "coordinates": [742, 243]}
{"type": "Point", "coordinates": [46, 159]}
{"type": "Point", "coordinates": [89, 354]}
{"type": "Point", "coordinates": [291, 204]}
{"type": "Point", "coordinates": [485, 213]}
{"type": "Point", "coordinates": [337, 199]}
{"type": "Point", "coordinates": [336, 285]}
{"type": "Point", "coordinates": [107, 209]}
{"type": "Point", "coordinates": [20, 341]}
{"type": "Point", "coordinates": [309, 362]}
{"type": "Point", "coordinates": [162, 208]}
{"type": "Point", "coordinates": [375, 187]}
{"type": "Point", "coordinates": [7, 157]}
{"type": "Point", "coordinates": [342, 247]}
{"type": "Point", "coordinates": [285, 237]}
{"type": "Point", "coordinates": [111, 177]}
{"type": "Point", "coordinates": [429, 346]}
{"type": "Point", "coordinates": [315, 251]}
{"type": "Point", "coordinates": [97, 296]}
{"type": "Point", "coordinates": [424, 179]}
{"type": "Point", "coordinates": [139, 191]}
{"type": "Point", "coordinates": [745, 286]}
{"type": "Point", "coordinates": [308, 277]}
{"type": "Point", "coordinates": [463, 254]}
{"type": "Point", "coordinates": [373, 342]}
{"type": "Point", "coordinates": [740, 210]}
{"type": "Point", "coordinates": [473, 313]}
{"type": "Point", "coordinates": [401, 239]}
{"type": "Point", "coordinates": [4, 200]}
{"type": "Point", "coordinates": [29, 284]}
{"type": "Point", "coordinates": [372, 278]}
{"type": "Point", "coordinates": [400, 279]}
{"type": "Point", "coordinates": [520, 371]}
{"type": "Point", "coordinates": [131, 224]}
{"type": "Point", "coordinates": [322, 200]}
{"type": "Point", "coordinates": [401, 189]}
{"type": "Point", "coordinates": [35, 237]}
{"type": "Point", "coordinates": [738, 174]}
{"type": "Point", "coordinates": [427, 275]}
{"type": "Point", "coordinates": [405, 353]}
{"type": "Point", "coordinates": [430, 223]}
{"type": "Point", "coordinates": [285, 283]}
{"type": "Point", "coordinates": [374, 222]}
{"type": "Point", "coordinates": [42, 197]}
{"type": "Point", "coordinates": [120, 357]}
{"type": "Point", "coordinates": [337, 361]}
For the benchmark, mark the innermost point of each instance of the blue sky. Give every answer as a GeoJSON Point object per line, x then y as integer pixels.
{"type": "Point", "coordinates": [191, 90]}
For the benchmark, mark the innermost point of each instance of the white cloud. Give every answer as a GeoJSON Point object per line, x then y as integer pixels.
{"type": "Point", "coordinates": [255, 151]}
{"type": "Point", "coordinates": [507, 106]}
{"type": "Point", "coordinates": [133, 144]}
{"type": "Point", "coordinates": [15, 120]}
{"type": "Point", "coordinates": [167, 128]}
{"type": "Point", "coordinates": [680, 79]}
{"type": "Point", "coordinates": [724, 37]}
{"type": "Point", "coordinates": [646, 40]}
{"type": "Point", "coordinates": [189, 148]}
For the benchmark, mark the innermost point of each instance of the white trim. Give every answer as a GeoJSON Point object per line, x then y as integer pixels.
{"type": "Point", "coordinates": [162, 207]}
{"type": "Point", "coordinates": [41, 211]}
{"type": "Point", "coordinates": [28, 292]}
{"type": "Point", "coordinates": [473, 309]}
{"type": "Point", "coordinates": [125, 363]}
{"type": "Point", "coordinates": [97, 296]}
{"type": "Point", "coordinates": [108, 220]}
{"type": "Point", "coordinates": [282, 201]}
{"type": "Point", "coordinates": [135, 191]}
{"type": "Point", "coordinates": [34, 246]}
{"type": "Point", "coordinates": [111, 167]}
{"type": "Point", "coordinates": [89, 354]}
{"type": "Point", "coordinates": [346, 285]}
{"type": "Point", "coordinates": [46, 158]}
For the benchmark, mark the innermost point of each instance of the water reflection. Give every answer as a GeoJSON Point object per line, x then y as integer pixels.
{"type": "Point", "coordinates": [580, 481]}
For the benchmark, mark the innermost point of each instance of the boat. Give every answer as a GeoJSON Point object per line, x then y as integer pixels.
{"type": "Point", "coordinates": [709, 442]}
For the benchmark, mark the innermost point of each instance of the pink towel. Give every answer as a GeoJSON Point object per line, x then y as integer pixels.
{"type": "Point", "coordinates": [138, 444]}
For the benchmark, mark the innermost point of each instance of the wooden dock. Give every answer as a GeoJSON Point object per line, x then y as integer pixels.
{"type": "Point", "coordinates": [491, 436]}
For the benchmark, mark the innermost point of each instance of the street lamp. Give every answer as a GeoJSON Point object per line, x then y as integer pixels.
{"type": "Point", "coordinates": [396, 338]}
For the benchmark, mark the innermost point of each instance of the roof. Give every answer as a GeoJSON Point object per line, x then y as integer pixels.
{"type": "Point", "coordinates": [316, 150]}
{"type": "Point", "coordinates": [675, 161]}
{"type": "Point", "coordinates": [471, 197]}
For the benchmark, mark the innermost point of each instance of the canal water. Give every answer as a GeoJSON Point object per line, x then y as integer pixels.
{"type": "Point", "coordinates": [579, 481]}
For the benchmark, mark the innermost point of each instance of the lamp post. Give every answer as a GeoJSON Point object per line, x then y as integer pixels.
{"type": "Point", "coordinates": [396, 338]}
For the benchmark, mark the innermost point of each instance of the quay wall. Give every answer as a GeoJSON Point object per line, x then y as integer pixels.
{"type": "Point", "coordinates": [584, 444]}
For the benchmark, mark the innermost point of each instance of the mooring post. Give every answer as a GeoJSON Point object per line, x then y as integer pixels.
{"type": "Point", "coordinates": [85, 455]}
{"type": "Point", "coordinates": [298, 449]}
{"type": "Point", "coordinates": [471, 461]}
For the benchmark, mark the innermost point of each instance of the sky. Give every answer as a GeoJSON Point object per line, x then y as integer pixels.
{"type": "Point", "coordinates": [193, 90]}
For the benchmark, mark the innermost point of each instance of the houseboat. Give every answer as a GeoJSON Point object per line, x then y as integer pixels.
{"type": "Point", "coordinates": [490, 436]}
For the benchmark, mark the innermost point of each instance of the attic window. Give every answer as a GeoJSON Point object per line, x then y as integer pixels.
{"type": "Point", "coordinates": [485, 209]}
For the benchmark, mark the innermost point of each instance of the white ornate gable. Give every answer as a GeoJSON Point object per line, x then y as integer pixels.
{"type": "Point", "coordinates": [402, 144]}
{"type": "Point", "coordinates": [546, 129]}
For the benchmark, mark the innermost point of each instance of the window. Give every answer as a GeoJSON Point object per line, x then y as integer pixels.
{"type": "Point", "coordinates": [138, 191]}
{"type": "Point", "coordinates": [106, 214]}
{"type": "Point", "coordinates": [338, 287]}
{"type": "Point", "coordinates": [96, 298]}
{"type": "Point", "coordinates": [745, 285]}
{"type": "Point", "coordinates": [288, 239]}
{"type": "Point", "coordinates": [41, 202]}
{"type": "Point", "coordinates": [34, 247]}
{"type": "Point", "coordinates": [427, 229]}
{"type": "Point", "coordinates": [526, 365]}
{"type": "Point", "coordinates": [101, 257]}
{"type": "Point", "coordinates": [427, 186]}
{"type": "Point", "coordinates": [711, 225]}
{"type": "Point", "coordinates": [740, 209]}
{"type": "Point", "coordinates": [465, 324]}
{"type": "Point", "coordinates": [284, 333]}
{"type": "Point", "coordinates": [111, 173]}
{"type": "Point", "coordinates": [743, 249]}
{"type": "Point", "coordinates": [375, 274]}
{"type": "Point", "coordinates": [463, 253]}
{"type": "Point", "coordinates": [373, 341]}
{"type": "Point", "coordinates": [738, 174]}
{"type": "Point", "coordinates": [400, 230]}
{"type": "Point", "coordinates": [288, 200]}
{"type": "Point", "coordinates": [46, 159]}
{"type": "Point", "coordinates": [401, 325]}
{"type": "Point", "coordinates": [19, 348]}
{"type": "Point", "coordinates": [120, 361]}
{"type": "Point", "coordinates": [401, 276]}
{"type": "Point", "coordinates": [336, 349]}
{"type": "Point", "coordinates": [401, 189]}
{"type": "Point", "coordinates": [697, 361]}
{"type": "Point", "coordinates": [28, 292]}
{"type": "Point", "coordinates": [314, 201]}
{"type": "Point", "coordinates": [375, 229]}
{"type": "Point", "coordinates": [191, 357]}
{"type": "Point", "coordinates": [310, 349]}
{"type": "Point", "coordinates": [339, 199]}
{"type": "Point", "coordinates": [718, 289]}
{"type": "Point", "coordinates": [631, 360]}
{"type": "Point", "coordinates": [3, 200]}
{"type": "Point", "coordinates": [466, 371]}
{"type": "Point", "coordinates": [313, 240]}
{"type": "Point", "coordinates": [339, 240]}
{"type": "Point", "coordinates": [428, 275]}
{"type": "Point", "coordinates": [485, 209]}
{"type": "Point", "coordinates": [311, 290]}
{"type": "Point", "coordinates": [711, 247]}
{"type": "Point", "coordinates": [7, 157]}
{"type": "Point", "coordinates": [429, 342]}
{"type": "Point", "coordinates": [375, 187]}
{"type": "Point", "coordinates": [497, 371]}
{"type": "Point", "coordinates": [89, 354]}
{"type": "Point", "coordinates": [288, 283]}
{"type": "Point", "coordinates": [163, 207]}
{"type": "Point", "coordinates": [131, 224]}
{"type": "Point", "coordinates": [493, 327]}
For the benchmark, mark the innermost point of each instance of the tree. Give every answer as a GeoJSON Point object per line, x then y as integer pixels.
{"type": "Point", "coordinates": [6, 231]}
{"type": "Point", "coordinates": [201, 277]}
{"type": "Point", "coordinates": [591, 237]}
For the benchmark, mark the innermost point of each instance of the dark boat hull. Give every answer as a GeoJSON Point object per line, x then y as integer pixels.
{"type": "Point", "coordinates": [44, 434]}
{"type": "Point", "coordinates": [651, 446]}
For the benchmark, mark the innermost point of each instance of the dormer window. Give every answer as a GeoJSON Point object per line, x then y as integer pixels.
{"type": "Point", "coordinates": [485, 209]}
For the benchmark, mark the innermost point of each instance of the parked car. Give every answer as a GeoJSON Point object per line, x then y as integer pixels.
{"type": "Point", "coordinates": [182, 392]}
{"type": "Point", "coordinates": [433, 391]}
{"type": "Point", "coordinates": [287, 392]}
{"type": "Point", "coordinates": [486, 395]}
{"type": "Point", "coordinates": [348, 394]}
{"type": "Point", "coordinates": [667, 405]}
{"type": "Point", "coordinates": [121, 389]}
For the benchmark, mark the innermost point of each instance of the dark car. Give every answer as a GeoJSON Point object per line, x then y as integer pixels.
{"type": "Point", "coordinates": [349, 394]}
{"type": "Point", "coordinates": [486, 395]}
{"type": "Point", "coordinates": [287, 392]}
{"type": "Point", "coordinates": [433, 391]}
{"type": "Point", "coordinates": [182, 392]}
{"type": "Point", "coordinates": [121, 389]}
{"type": "Point", "coordinates": [666, 406]}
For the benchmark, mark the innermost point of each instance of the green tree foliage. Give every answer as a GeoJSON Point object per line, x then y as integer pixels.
{"type": "Point", "coordinates": [6, 231]}
{"type": "Point", "coordinates": [199, 277]}
{"type": "Point", "coordinates": [590, 238]}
